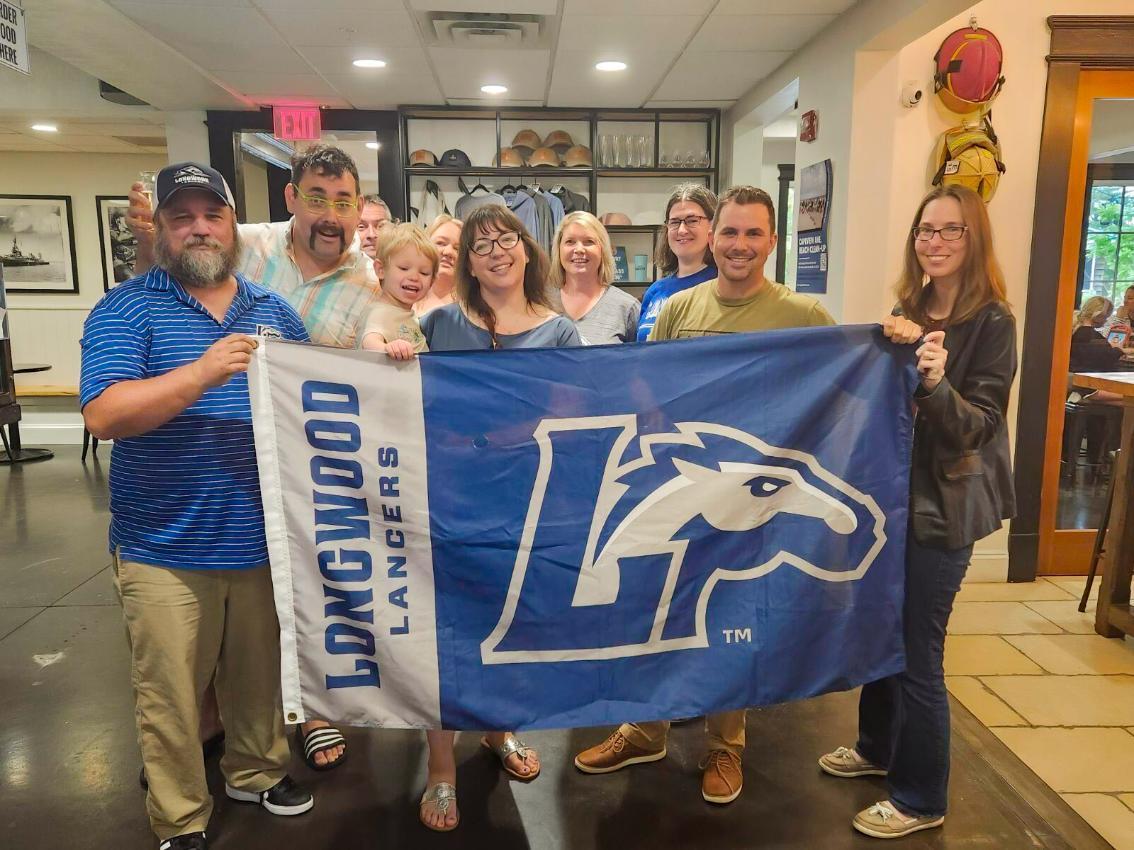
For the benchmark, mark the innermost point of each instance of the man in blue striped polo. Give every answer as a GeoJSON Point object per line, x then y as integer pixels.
{"type": "Point", "coordinates": [165, 357]}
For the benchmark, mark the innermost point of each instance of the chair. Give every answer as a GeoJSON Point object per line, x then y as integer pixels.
{"type": "Point", "coordinates": [1099, 423]}
{"type": "Point", "coordinates": [1100, 538]}
{"type": "Point", "coordinates": [89, 442]}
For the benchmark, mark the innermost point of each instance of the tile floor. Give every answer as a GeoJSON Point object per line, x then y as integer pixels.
{"type": "Point", "coordinates": [1029, 666]}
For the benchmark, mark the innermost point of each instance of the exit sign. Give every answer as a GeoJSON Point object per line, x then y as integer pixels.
{"type": "Point", "coordinates": [297, 123]}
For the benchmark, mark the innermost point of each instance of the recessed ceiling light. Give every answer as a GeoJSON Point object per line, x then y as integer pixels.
{"type": "Point", "coordinates": [610, 66]}
{"type": "Point", "coordinates": [45, 128]}
{"type": "Point", "coordinates": [494, 89]}
{"type": "Point", "coordinates": [369, 63]}
{"type": "Point", "coordinates": [373, 145]}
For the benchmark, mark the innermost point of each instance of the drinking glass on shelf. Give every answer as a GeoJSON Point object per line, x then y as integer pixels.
{"type": "Point", "coordinates": [645, 151]}
{"type": "Point", "coordinates": [619, 152]}
{"type": "Point", "coordinates": [606, 155]}
{"type": "Point", "coordinates": [703, 159]}
{"type": "Point", "coordinates": [663, 159]}
{"type": "Point", "coordinates": [691, 159]}
{"type": "Point", "coordinates": [633, 158]}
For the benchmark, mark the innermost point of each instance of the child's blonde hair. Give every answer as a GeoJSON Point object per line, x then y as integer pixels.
{"type": "Point", "coordinates": [394, 239]}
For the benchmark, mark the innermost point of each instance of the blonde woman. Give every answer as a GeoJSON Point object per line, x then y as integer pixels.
{"type": "Point", "coordinates": [582, 269]}
{"type": "Point", "coordinates": [445, 234]}
{"type": "Point", "coordinates": [1090, 350]}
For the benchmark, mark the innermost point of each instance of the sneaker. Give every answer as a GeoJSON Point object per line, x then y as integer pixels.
{"type": "Point", "coordinates": [615, 753]}
{"type": "Point", "coordinates": [882, 820]}
{"type": "Point", "coordinates": [722, 780]}
{"type": "Point", "coordinates": [847, 763]}
{"type": "Point", "coordinates": [189, 841]}
{"type": "Point", "coordinates": [283, 798]}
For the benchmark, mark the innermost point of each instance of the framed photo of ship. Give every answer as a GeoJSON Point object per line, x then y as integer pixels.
{"type": "Point", "coordinates": [37, 244]}
{"type": "Point", "coordinates": [117, 242]}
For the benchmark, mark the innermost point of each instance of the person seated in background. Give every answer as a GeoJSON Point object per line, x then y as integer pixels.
{"type": "Point", "coordinates": [1090, 349]}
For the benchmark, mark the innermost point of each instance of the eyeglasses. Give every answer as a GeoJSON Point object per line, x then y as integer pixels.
{"type": "Point", "coordinates": [319, 204]}
{"type": "Point", "coordinates": [506, 240]}
{"type": "Point", "coordinates": [950, 233]}
{"type": "Point", "coordinates": [690, 221]}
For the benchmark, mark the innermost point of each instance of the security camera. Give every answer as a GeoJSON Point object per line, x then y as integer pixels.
{"type": "Point", "coordinates": [911, 94]}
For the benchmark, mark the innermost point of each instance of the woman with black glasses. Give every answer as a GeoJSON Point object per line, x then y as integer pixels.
{"type": "Point", "coordinates": [501, 303]}
{"type": "Point", "coordinates": [952, 291]}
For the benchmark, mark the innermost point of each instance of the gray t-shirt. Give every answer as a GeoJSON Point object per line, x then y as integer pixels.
{"type": "Point", "coordinates": [448, 329]}
{"type": "Point", "coordinates": [613, 318]}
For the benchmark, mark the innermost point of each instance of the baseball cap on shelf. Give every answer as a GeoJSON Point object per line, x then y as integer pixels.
{"type": "Point", "coordinates": [527, 141]}
{"type": "Point", "coordinates": [454, 158]}
{"type": "Point", "coordinates": [421, 156]}
{"type": "Point", "coordinates": [615, 218]}
{"type": "Point", "coordinates": [509, 158]}
{"type": "Point", "coordinates": [190, 175]}
{"type": "Point", "coordinates": [544, 156]}
{"type": "Point", "coordinates": [578, 156]}
{"type": "Point", "coordinates": [559, 140]}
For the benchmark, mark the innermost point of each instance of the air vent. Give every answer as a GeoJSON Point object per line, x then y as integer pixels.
{"type": "Point", "coordinates": [143, 141]}
{"type": "Point", "coordinates": [115, 95]}
{"type": "Point", "coordinates": [486, 30]}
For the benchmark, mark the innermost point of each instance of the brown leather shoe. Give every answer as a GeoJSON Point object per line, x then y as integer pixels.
{"type": "Point", "coordinates": [615, 753]}
{"type": "Point", "coordinates": [722, 780]}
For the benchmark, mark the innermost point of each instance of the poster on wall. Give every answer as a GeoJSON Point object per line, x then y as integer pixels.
{"type": "Point", "coordinates": [118, 244]}
{"type": "Point", "coordinates": [812, 219]}
{"type": "Point", "coordinates": [37, 244]}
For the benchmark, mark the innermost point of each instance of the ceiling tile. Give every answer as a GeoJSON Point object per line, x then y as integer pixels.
{"type": "Point", "coordinates": [612, 35]}
{"type": "Point", "coordinates": [346, 31]}
{"type": "Point", "coordinates": [27, 143]}
{"type": "Point", "coordinates": [278, 59]}
{"type": "Point", "coordinates": [642, 8]}
{"type": "Point", "coordinates": [463, 72]}
{"type": "Point", "coordinates": [402, 60]}
{"type": "Point", "coordinates": [387, 92]}
{"type": "Point", "coordinates": [175, 24]}
{"type": "Point", "coordinates": [256, 85]}
{"type": "Point", "coordinates": [575, 81]}
{"type": "Point", "coordinates": [783, 7]}
{"type": "Point", "coordinates": [758, 32]}
{"type": "Point", "coordinates": [718, 76]}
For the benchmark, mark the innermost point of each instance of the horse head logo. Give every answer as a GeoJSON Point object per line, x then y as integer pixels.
{"type": "Point", "coordinates": [703, 504]}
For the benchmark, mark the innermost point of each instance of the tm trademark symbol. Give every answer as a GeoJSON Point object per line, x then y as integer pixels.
{"type": "Point", "coordinates": [737, 635]}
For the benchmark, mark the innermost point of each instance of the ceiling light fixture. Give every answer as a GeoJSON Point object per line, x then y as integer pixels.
{"type": "Point", "coordinates": [45, 128]}
{"type": "Point", "coordinates": [373, 145]}
{"type": "Point", "coordinates": [494, 89]}
{"type": "Point", "coordinates": [369, 63]}
{"type": "Point", "coordinates": [610, 66]}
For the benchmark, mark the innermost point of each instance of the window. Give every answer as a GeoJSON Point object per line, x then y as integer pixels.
{"type": "Point", "coordinates": [1107, 263]}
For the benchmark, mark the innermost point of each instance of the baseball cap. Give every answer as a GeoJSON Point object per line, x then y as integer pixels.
{"type": "Point", "coordinates": [560, 140]}
{"type": "Point", "coordinates": [454, 158]}
{"type": "Point", "coordinates": [578, 156]}
{"type": "Point", "coordinates": [544, 156]}
{"type": "Point", "coordinates": [509, 158]}
{"type": "Point", "coordinates": [190, 175]}
{"type": "Point", "coordinates": [421, 156]}
{"type": "Point", "coordinates": [526, 140]}
{"type": "Point", "coordinates": [615, 218]}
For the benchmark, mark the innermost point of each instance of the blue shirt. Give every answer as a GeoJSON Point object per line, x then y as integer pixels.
{"type": "Point", "coordinates": [661, 290]}
{"type": "Point", "coordinates": [185, 495]}
{"type": "Point", "coordinates": [448, 329]}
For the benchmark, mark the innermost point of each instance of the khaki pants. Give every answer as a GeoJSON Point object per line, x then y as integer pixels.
{"type": "Point", "coordinates": [725, 730]}
{"type": "Point", "coordinates": [183, 625]}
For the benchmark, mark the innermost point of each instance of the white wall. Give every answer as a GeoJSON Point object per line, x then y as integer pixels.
{"type": "Point", "coordinates": [46, 328]}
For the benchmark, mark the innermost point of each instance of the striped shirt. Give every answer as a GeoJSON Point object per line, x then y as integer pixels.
{"type": "Point", "coordinates": [334, 305]}
{"type": "Point", "coordinates": [185, 495]}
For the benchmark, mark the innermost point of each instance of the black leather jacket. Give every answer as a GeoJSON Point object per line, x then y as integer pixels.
{"type": "Point", "coordinates": [961, 479]}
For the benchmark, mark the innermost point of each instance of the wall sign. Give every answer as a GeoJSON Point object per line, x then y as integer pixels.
{"type": "Point", "coordinates": [811, 226]}
{"type": "Point", "coordinates": [13, 38]}
{"type": "Point", "coordinates": [809, 126]}
{"type": "Point", "coordinates": [295, 123]}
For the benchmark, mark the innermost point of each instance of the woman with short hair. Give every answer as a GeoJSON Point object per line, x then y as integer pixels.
{"type": "Point", "coordinates": [582, 269]}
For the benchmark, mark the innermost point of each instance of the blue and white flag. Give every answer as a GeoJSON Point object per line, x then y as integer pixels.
{"type": "Point", "coordinates": [576, 537]}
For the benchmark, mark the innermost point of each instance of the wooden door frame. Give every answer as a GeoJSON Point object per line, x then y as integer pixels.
{"type": "Point", "coordinates": [1081, 48]}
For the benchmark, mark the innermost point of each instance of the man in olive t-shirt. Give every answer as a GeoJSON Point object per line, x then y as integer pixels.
{"type": "Point", "coordinates": [740, 299]}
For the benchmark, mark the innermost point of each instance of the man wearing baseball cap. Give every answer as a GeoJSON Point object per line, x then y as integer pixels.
{"type": "Point", "coordinates": [164, 375]}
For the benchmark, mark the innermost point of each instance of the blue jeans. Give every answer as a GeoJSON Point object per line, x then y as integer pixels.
{"type": "Point", "coordinates": [903, 720]}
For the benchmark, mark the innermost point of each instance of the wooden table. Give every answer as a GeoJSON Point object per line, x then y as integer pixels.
{"type": "Point", "coordinates": [1113, 616]}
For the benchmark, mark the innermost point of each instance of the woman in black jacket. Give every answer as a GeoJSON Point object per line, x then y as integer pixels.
{"type": "Point", "coordinates": [952, 291]}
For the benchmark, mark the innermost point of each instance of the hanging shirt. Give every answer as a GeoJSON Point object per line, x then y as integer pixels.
{"type": "Point", "coordinates": [524, 207]}
{"type": "Point", "coordinates": [467, 203]}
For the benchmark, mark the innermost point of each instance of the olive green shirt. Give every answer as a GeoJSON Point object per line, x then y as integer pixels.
{"type": "Point", "coordinates": [700, 311]}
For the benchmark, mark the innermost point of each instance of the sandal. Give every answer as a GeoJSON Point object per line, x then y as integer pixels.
{"type": "Point", "coordinates": [321, 740]}
{"type": "Point", "coordinates": [512, 744]}
{"type": "Point", "coordinates": [443, 794]}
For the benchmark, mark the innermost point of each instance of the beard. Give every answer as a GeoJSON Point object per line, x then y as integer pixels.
{"type": "Point", "coordinates": [194, 267]}
{"type": "Point", "coordinates": [328, 230]}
